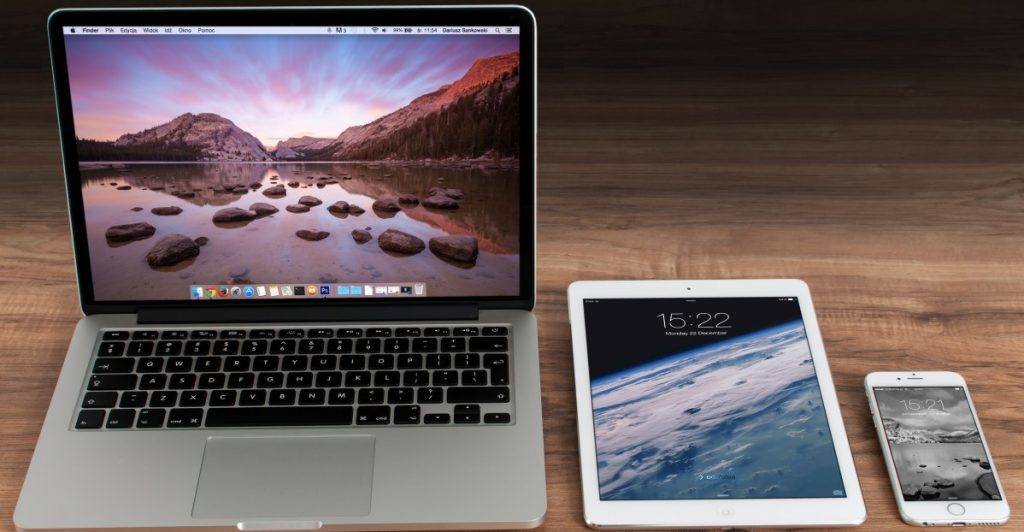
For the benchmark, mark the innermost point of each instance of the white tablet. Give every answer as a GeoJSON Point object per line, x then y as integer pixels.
{"type": "Point", "coordinates": [707, 404]}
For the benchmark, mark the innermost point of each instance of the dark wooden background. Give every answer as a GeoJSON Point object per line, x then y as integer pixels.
{"type": "Point", "coordinates": [873, 148]}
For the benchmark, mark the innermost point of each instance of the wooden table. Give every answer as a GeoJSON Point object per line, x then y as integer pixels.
{"type": "Point", "coordinates": [874, 150]}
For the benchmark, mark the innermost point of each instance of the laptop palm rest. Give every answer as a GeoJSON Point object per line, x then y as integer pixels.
{"type": "Point", "coordinates": [285, 477]}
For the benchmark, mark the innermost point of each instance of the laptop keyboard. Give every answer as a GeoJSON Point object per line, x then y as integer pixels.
{"type": "Point", "coordinates": [260, 377]}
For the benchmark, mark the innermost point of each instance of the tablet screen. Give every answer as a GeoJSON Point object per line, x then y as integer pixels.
{"type": "Point", "coordinates": [709, 398]}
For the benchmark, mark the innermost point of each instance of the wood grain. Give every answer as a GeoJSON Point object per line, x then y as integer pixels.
{"type": "Point", "coordinates": [874, 149]}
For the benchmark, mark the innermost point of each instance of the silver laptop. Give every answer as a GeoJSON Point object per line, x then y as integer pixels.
{"type": "Point", "coordinates": [305, 250]}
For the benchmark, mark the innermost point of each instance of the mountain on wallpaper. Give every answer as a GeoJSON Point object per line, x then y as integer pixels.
{"type": "Point", "coordinates": [476, 116]}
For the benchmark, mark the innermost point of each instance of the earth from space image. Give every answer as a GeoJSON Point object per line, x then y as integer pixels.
{"type": "Point", "coordinates": [741, 418]}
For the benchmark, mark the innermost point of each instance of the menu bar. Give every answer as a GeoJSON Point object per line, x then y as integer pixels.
{"type": "Point", "coordinates": [290, 291]}
{"type": "Point", "coordinates": [291, 30]}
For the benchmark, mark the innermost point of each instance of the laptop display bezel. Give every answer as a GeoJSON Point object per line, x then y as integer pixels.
{"type": "Point", "coordinates": [360, 16]}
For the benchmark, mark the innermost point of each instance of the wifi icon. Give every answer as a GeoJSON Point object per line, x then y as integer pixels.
{"type": "Point", "coordinates": [375, 28]}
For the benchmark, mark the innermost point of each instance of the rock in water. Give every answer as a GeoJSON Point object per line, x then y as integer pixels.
{"type": "Point", "coordinates": [126, 232]}
{"type": "Point", "coordinates": [339, 207]}
{"type": "Point", "coordinates": [262, 209]}
{"type": "Point", "coordinates": [275, 191]}
{"type": "Point", "coordinates": [309, 201]}
{"type": "Point", "coordinates": [312, 234]}
{"type": "Point", "coordinates": [386, 205]}
{"type": "Point", "coordinates": [134, 209]}
{"type": "Point", "coordinates": [455, 193]}
{"type": "Point", "coordinates": [202, 241]}
{"type": "Point", "coordinates": [457, 248]}
{"type": "Point", "coordinates": [298, 207]}
{"type": "Point", "coordinates": [440, 201]}
{"type": "Point", "coordinates": [399, 242]}
{"type": "Point", "coordinates": [187, 194]}
{"type": "Point", "coordinates": [124, 187]}
{"type": "Point", "coordinates": [233, 214]}
{"type": "Point", "coordinates": [293, 184]}
{"type": "Point", "coordinates": [166, 211]}
{"type": "Point", "coordinates": [928, 492]}
{"type": "Point", "coordinates": [355, 210]}
{"type": "Point", "coordinates": [410, 199]}
{"type": "Point", "coordinates": [361, 236]}
{"type": "Point", "coordinates": [171, 250]}
{"type": "Point", "coordinates": [255, 185]}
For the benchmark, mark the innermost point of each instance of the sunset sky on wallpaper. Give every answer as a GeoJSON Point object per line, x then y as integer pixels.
{"type": "Point", "coordinates": [273, 86]}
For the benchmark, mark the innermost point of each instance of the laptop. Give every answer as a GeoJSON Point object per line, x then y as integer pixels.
{"type": "Point", "coordinates": [304, 241]}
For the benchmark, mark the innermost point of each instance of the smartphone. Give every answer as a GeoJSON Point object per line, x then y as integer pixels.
{"type": "Point", "coordinates": [941, 470]}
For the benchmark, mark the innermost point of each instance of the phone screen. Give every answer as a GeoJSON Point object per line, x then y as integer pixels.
{"type": "Point", "coordinates": [935, 443]}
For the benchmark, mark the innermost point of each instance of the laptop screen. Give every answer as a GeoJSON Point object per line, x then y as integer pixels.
{"type": "Point", "coordinates": [298, 162]}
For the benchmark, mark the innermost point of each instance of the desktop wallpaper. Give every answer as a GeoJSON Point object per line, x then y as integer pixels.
{"type": "Point", "coordinates": [252, 159]}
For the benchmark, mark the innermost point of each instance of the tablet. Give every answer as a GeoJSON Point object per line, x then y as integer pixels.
{"type": "Point", "coordinates": [707, 404]}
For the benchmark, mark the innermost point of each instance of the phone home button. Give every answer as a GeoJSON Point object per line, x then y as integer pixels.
{"type": "Point", "coordinates": [956, 509]}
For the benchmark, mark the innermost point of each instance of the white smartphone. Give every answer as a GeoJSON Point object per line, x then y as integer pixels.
{"type": "Point", "coordinates": [941, 470]}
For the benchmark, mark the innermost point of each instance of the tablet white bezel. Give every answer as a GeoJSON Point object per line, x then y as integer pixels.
{"type": "Point", "coordinates": [848, 511]}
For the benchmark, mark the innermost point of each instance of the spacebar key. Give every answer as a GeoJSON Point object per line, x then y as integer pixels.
{"type": "Point", "coordinates": [278, 416]}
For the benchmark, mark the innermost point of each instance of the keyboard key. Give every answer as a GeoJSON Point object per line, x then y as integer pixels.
{"type": "Point", "coordinates": [339, 346]}
{"type": "Point", "coordinates": [133, 399]}
{"type": "Point", "coordinates": [300, 379]}
{"type": "Point", "coordinates": [452, 345]}
{"type": "Point", "coordinates": [282, 347]}
{"type": "Point", "coordinates": [232, 333]}
{"type": "Point", "coordinates": [439, 361]}
{"type": "Point", "coordinates": [378, 332]}
{"type": "Point", "coordinates": [368, 345]}
{"type": "Point", "coordinates": [294, 363]}
{"type": "Point", "coordinates": [311, 347]}
{"type": "Point", "coordinates": [197, 347]}
{"type": "Point", "coordinates": [270, 380]}
{"type": "Point", "coordinates": [424, 345]}
{"type": "Point", "coordinates": [266, 363]}
{"type": "Point", "coordinates": [328, 379]}
{"type": "Point", "coordinates": [185, 417]}
{"type": "Point", "coordinates": [319, 333]}
{"type": "Point", "coordinates": [467, 360]}
{"type": "Point", "coordinates": [225, 347]}
{"type": "Point", "coordinates": [488, 343]}
{"type": "Point", "coordinates": [341, 396]}
{"type": "Point", "coordinates": [350, 333]}
{"type": "Point", "coordinates": [373, 415]}
{"type": "Point", "coordinates": [180, 381]}
{"type": "Point", "coordinates": [111, 349]}
{"type": "Point", "coordinates": [253, 398]}
{"type": "Point", "coordinates": [416, 378]}
{"type": "Point", "coordinates": [223, 398]}
{"type": "Point", "coordinates": [429, 395]}
{"type": "Point", "coordinates": [353, 362]}
{"type": "Point", "coordinates": [279, 416]}
{"type": "Point", "coordinates": [193, 398]}
{"type": "Point", "coordinates": [357, 378]}
{"type": "Point", "coordinates": [149, 365]}
{"type": "Point", "coordinates": [382, 361]}
{"type": "Point", "coordinates": [437, 419]}
{"type": "Point", "coordinates": [475, 394]}
{"type": "Point", "coordinates": [208, 364]}
{"type": "Point", "coordinates": [163, 399]}
{"type": "Point", "coordinates": [499, 369]}
{"type": "Point", "coordinates": [261, 333]}
{"type": "Point", "coordinates": [153, 382]}
{"type": "Point", "coordinates": [115, 335]}
{"type": "Point", "coordinates": [495, 360]}
{"type": "Point", "coordinates": [151, 418]}
{"type": "Point", "coordinates": [179, 365]}
{"type": "Point", "coordinates": [474, 377]}
{"type": "Point", "coordinates": [495, 331]}
{"type": "Point", "coordinates": [436, 331]}
{"type": "Point", "coordinates": [282, 397]}
{"type": "Point", "coordinates": [407, 415]}
{"type": "Point", "coordinates": [169, 348]}
{"type": "Point", "coordinates": [113, 365]}
{"type": "Point", "coordinates": [396, 345]}
{"type": "Point", "coordinates": [387, 378]}
{"type": "Point", "coordinates": [145, 335]}
{"type": "Point", "coordinates": [467, 414]}
{"type": "Point", "coordinates": [241, 380]}
{"type": "Point", "coordinates": [203, 335]}
{"type": "Point", "coordinates": [174, 335]}
{"type": "Point", "coordinates": [371, 396]}
{"type": "Point", "coordinates": [99, 399]}
{"type": "Point", "coordinates": [498, 417]}
{"type": "Point", "coordinates": [323, 362]}
{"type": "Point", "coordinates": [400, 395]}
{"type": "Point", "coordinates": [237, 364]}
{"type": "Point", "coordinates": [254, 347]}
{"type": "Point", "coordinates": [140, 349]}
{"type": "Point", "coordinates": [465, 331]}
{"type": "Point", "coordinates": [113, 382]}
{"type": "Point", "coordinates": [408, 331]}
{"type": "Point", "coordinates": [291, 333]}
{"type": "Point", "coordinates": [212, 381]}
{"type": "Point", "coordinates": [311, 396]}
{"type": "Point", "coordinates": [446, 378]}
{"type": "Point", "coordinates": [410, 362]}
{"type": "Point", "coordinates": [90, 419]}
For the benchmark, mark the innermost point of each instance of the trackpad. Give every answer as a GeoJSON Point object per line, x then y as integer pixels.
{"type": "Point", "coordinates": [293, 476]}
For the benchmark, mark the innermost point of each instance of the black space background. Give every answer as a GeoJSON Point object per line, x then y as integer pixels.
{"type": "Point", "coordinates": [624, 333]}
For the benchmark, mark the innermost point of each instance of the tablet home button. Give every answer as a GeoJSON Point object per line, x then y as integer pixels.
{"type": "Point", "coordinates": [956, 509]}
{"type": "Point", "coordinates": [726, 511]}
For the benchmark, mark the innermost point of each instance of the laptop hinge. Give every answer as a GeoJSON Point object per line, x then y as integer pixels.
{"type": "Point", "coordinates": [309, 314]}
